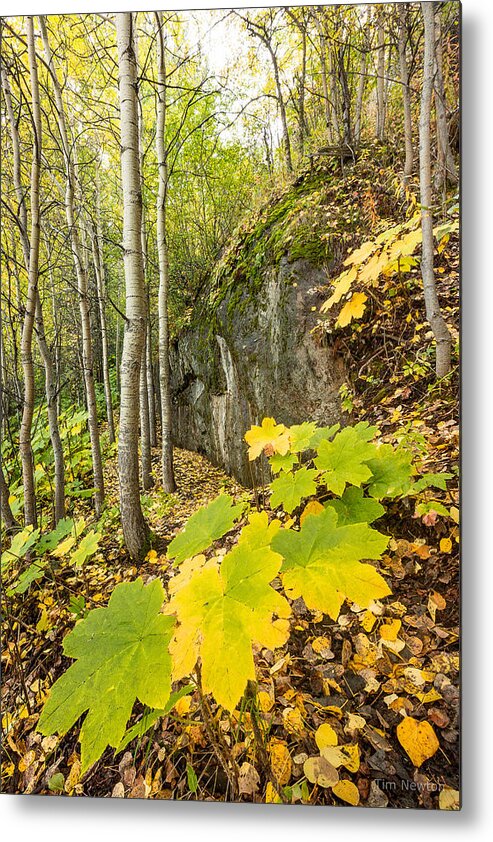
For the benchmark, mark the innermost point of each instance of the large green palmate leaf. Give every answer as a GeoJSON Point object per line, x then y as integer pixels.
{"type": "Point", "coordinates": [354, 507]}
{"type": "Point", "coordinates": [289, 489]}
{"type": "Point", "coordinates": [322, 562]}
{"type": "Point", "coordinates": [222, 609]}
{"type": "Point", "coordinates": [205, 526]}
{"type": "Point", "coordinates": [391, 472]}
{"type": "Point", "coordinates": [344, 459]}
{"type": "Point", "coordinates": [122, 655]}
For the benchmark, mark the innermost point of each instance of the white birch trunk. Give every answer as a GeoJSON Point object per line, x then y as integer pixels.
{"type": "Point", "coordinates": [168, 478]}
{"type": "Point", "coordinates": [135, 529]}
{"type": "Point", "coordinates": [432, 305]}
{"type": "Point", "coordinates": [406, 96]}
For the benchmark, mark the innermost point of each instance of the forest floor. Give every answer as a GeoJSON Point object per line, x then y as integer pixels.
{"type": "Point", "coordinates": [343, 673]}
{"type": "Point", "coordinates": [359, 674]}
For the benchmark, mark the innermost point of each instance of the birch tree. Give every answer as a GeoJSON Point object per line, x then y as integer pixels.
{"type": "Point", "coordinates": [432, 305]}
{"type": "Point", "coordinates": [81, 274]}
{"type": "Point", "coordinates": [168, 478]}
{"type": "Point", "coordinates": [135, 529]}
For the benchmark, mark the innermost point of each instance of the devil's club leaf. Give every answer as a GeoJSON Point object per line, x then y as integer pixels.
{"type": "Point", "coordinates": [207, 525]}
{"type": "Point", "coordinates": [322, 562]}
{"type": "Point", "coordinates": [274, 437]}
{"type": "Point", "coordinates": [122, 653]}
{"type": "Point", "coordinates": [86, 548]}
{"type": "Point", "coordinates": [301, 435]}
{"type": "Point", "coordinates": [344, 459]}
{"type": "Point", "coordinates": [354, 507]}
{"type": "Point", "coordinates": [222, 609]}
{"type": "Point", "coordinates": [288, 490]}
{"type": "Point", "coordinates": [282, 463]}
{"type": "Point", "coordinates": [392, 471]}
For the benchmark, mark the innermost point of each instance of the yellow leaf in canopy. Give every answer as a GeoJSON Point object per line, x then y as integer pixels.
{"type": "Point", "coordinates": [354, 309]}
{"type": "Point", "coordinates": [311, 508]}
{"type": "Point", "coordinates": [361, 254]}
{"type": "Point", "coordinates": [389, 631]}
{"type": "Point", "coordinates": [325, 736]}
{"type": "Point", "coordinates": [347, 791]}
{"type": "Point", "coordinates": [319, 771]}
{"type": "Point", "coordinates": [343, 285]}
{"type": "Point", "coordinates": [374, 268]}
{"type": "Point", "coordinates": [280, 760]}
{"type": "Point", "coordinates": [418, 739]}
{"type": "Point", "coordinates": [271, 435]}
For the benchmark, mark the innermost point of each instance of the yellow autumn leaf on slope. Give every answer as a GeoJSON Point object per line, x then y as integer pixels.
{"type": "Point", "coordinates": [343, 285]}
{"type": "Point", "coordinates": [418, 739]}
{"type": "Point", "coordinates": [274, 437]}
{"type": "Point", "coordinates": [354, 309]}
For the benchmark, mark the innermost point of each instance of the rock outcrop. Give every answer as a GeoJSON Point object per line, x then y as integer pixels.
{"type": "Point", "coordinates": [258, 356]}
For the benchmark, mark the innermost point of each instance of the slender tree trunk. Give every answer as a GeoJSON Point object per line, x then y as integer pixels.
{"type": "Point", "coordinates": [32, 288]}
{"type": "Point", "coordinates": [135, 529]}
{"type": "Point", "coordinates": [168, 477]}
{"type": "Point", "coordinates": [98, 259]}
{"type": "Point", "coordinates": [51, 389]}
{"type": "Point", "coordinates": [51, 398]}
{"type": "Point", "coordinates": [380, 132]}
{"type": "Point", "coordinates": [446, 170]}
{"type": "Point", "coordinates": [8, 519]}
{"type": "Point", "coordinates": [406, 96]}
{"type": "Point", "coordinates": [87, 352]}
{"type": "Point", "coordinates": [332, 133]}
{"type": "Point", "coordinates": [145, 433]}
{"type": "Point", "coordinates": [282, 108]}
{"type": "Point", "coordinates": [150, 380]}
{"type": "Point", "coordinates": [358, 110]}
{"type": "Point", "coordinates": [433, 312]}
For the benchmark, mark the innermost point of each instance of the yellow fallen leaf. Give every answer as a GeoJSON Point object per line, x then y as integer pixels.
{"type": "Point", "coordinates": [445, 545]}
{"type": "Point", "coordinates": [354, 309]}
{"type": "Point", "coordinates": [311, 508]}
{"type": "Point", "coordinates": [368, 620]}
{"type": "Point", "coordinates": [449, 799]}
{"type": "Point", "coordinates": [347, 791]}
{"type": "Point", "coordinates": [151, 555]}
{"type": "Point", "coordinates": [325, 736]}
{"type": "Point", "coordinates": [389, 631]}
{"type": "Point", "coordinates": [280, 760]}
{"type": "Point", "coordinates": [271, 796]}
{"type": "Point", "coordinates": [183, 705]}
{"type": "Point", "coordinates": [320, 643]}
{"type": "Point", "coordinates": [347, 756]}
{"type": "Point", "coordinates": [319, 771]}
{"type": "Point", "coordinates": [293, 720]}
{"type": "Point", "coordinates": [265, 701]}
{"type": "Point", "coordinates": [418, 739]}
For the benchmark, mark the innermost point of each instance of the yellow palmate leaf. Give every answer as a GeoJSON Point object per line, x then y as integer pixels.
{"type": "Point", "coordinates": [354, 309]}
{"type": "Point", "coordinates": [271, 437]}
{"type": "Point", "coordinates": [343, 285]}
{"type": "Point", "coordinates": [418, 739]}
{"type": "Point", "coordinates": [347, 791]}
